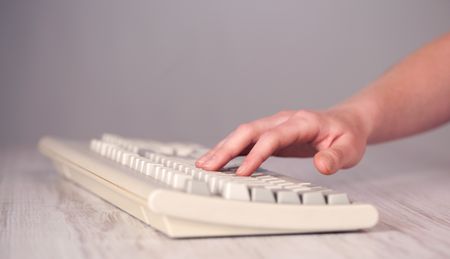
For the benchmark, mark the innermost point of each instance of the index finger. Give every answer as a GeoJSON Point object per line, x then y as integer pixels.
{"type": "Point", "coordinates": [240, 139]}
{"type": "Point", "coordinates": [290, 132]}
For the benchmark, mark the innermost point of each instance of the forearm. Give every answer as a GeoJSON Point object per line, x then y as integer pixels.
{"type": "Point", "coordinates": [411, 97]}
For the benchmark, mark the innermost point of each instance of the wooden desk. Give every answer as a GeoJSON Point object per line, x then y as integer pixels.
{"type": "Point", "coordinates": [44, 216]}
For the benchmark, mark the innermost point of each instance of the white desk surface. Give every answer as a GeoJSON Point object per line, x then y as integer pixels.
{"type": "Point", "coordinates": [44, 216]}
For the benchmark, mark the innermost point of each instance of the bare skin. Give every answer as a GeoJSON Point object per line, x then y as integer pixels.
{"type": "Point", "coordinates": [412, 97]}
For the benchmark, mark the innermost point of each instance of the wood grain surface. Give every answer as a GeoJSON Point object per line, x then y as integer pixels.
{"type": "Point", "coordinates": [45, 216]}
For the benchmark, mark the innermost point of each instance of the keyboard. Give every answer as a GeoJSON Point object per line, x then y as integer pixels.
{"type": "Point", "coordinates": [158, 183]}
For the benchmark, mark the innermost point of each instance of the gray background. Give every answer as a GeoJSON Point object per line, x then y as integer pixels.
{"type": "Point", "coordinates": [193, 70]}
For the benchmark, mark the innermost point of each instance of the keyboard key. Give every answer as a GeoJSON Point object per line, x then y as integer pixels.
{"type": "Point", "coordinates": [313, 198]}
{"type": "Point", "coordinates": [157, 172]}
{"type": "Point", "coordinates": [201, 175]}
{"type": "Point", "coordinates": [214, 184]}
{"type": "Point", "coordinates": [180, 167]}
{"type": "Point", "coordinates": [262, 195]}
{"type": "Point", "coordinates": [234, 163]}
{"type": "Point", "coordinates": [197, 187]}
{"type": "Point", "coordinates": [266, 178]}
{"type": "Point", "coordinates": [150, 168]}
{"type": "Point", "coordinates": [180, 180]}
{"type": "Point", "coordinates": [157, 159]}
{"type": "Point", "coordinates": [168, 177]}
{"type": "Point", "coordinates": [301, 189]}
{"type": "Point", "coordinates": [297, 186]}
{"type": "Point", "coordinates": [287, 197]}
{"type": "Point", "coordinates": [276, 181]}
{"type": "Point", "coordinates": [183, 150]}
{"type": "Point", "coordinates": [337, 198]}
{"type": "Point", "coordinates": [142, 163]}
{"type": "Point", "coordinates": [162, 174]}
{"type": "Point", "coordinates": [236, 191]}
{"type": "Point", "coordinates": [206, 176]}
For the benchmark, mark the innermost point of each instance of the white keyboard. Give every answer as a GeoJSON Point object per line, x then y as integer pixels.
{"type": "Point", "coordinates": [159, 184]}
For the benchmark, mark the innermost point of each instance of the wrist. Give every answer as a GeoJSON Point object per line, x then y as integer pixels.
{"type": "Point", "coordinates": [363, 115]}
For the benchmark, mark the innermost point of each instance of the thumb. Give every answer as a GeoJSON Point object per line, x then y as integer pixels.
{"type": "Point", "coordinates": [342, 153]}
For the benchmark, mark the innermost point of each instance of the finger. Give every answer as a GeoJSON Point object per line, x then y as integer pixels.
{"type": "Point", "coordinates": [296, 150]}
{"type": "Point", "coordinates": [343, 153]}
{"type": "Point", "coordinates": [286, 134]}
{"type": "Point", "coordinates": [241, 138]}
{"type": "Point", "coordinates": [201, 160]}
{"type": "Point", "coordinates": [239, 141]}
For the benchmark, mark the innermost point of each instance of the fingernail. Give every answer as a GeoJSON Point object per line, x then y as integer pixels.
{"type": "Point", "coordinates": [201, 161]}
{"type": "Point", "coordinates": [328, 163]}
{"type": "Point", "coordinates": [199, 164]}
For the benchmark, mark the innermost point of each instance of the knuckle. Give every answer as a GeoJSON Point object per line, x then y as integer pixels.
{"type": "Point", "coordinates": [303, 113]}
{"type": "Point", "coordinates": [269, 135]}
{"type": "Point", "coordinates": [311, 117]}
{"type": "Point", "coordinates": [245, 128]}
{"type": "Point", "coordinates": [338, 129]}
{"type": "Point", "coordinates": [284, 113]}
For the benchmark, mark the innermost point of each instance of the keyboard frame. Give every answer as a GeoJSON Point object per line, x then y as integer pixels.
{"type": "Point", "coordinates": [203, 216]}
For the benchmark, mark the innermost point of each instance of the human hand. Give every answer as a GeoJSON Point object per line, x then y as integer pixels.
{"type": "Point", "coordinates": [335, 138]}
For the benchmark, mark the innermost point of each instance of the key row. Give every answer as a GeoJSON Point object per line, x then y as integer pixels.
{"type": "Point", "coordinates": [182, 176]}
{"type": "Point", "coordinates": [172, 149]}
{"type": "Point", "coordinates": [216, 180]}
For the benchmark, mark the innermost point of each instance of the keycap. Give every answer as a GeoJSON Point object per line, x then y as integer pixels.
{"type": "Point", "coordinates": [168, 163]}
{"type": "Point", "coordinates": [272, 187]}
{"type": "Point", "coordinates": [119, 155]}
{"type": "Point", "coordinates": [150, 156]}
{"type": "Point", "coordinates": [183, 150]}
{"type": "Point", "coordinates": [301, 189]}
{"type": "Point", "coordinates": [140, 166]}
{"type": "Point", "coordinates": [200, 174]}
{"type": "Point", "coordinates": [157, 172]}
{"type": "Point", "coordinates": [236, 191]}
{"type": "Point", "coordinates": [113, 153]}
{"type": "Point", "coordinates": [337, 198]}
{"type": "Point", "coordinates": [266, 178]}
{"type": "Point", "coordinates": [136, 162]}
{"type": "Point", "coordinates": [130, 161]}
{"type": "Point", "coordinates": [221, 181]}
{"type": "Point", "coordinates": [181, 167]}
{"type": "Point", "coordinates": [262, 195]}
{"type": "Point", "coordinates": [157, 159]}
{"type": "Point", "coordinates": [143, 151]}
{"type": "Point", "coordinates": [126, 158]}
{"type": "Point", "coordinates": [163, 161]}
{"type": "Point", "coordinates": [276, 181]}
{"type": "Point", "coordinates": [150, 168]}
{"type": "Point", "coordinates": [287, 197]}
{"type": "Point", "coordinates": [206, 176]}
{"type": "Point", "coordinates": [162, 174]}
{"type": "Point", "coordinates": [179, 181]}
{"type": "Point", "coordinates": [213, 183]}
{"type": "Point", "coordinates": [168, 177]}
{"type": "Point", "coordinates": [312, 198]}
{"type": "Point", "coordinates": [235, 162]}
{"type": "Point", "coordinates": [166, 150]}
{"type": "Point", "coordinates": [197, 187]}
{"type": "Point", "coordinates": [296, 187]}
